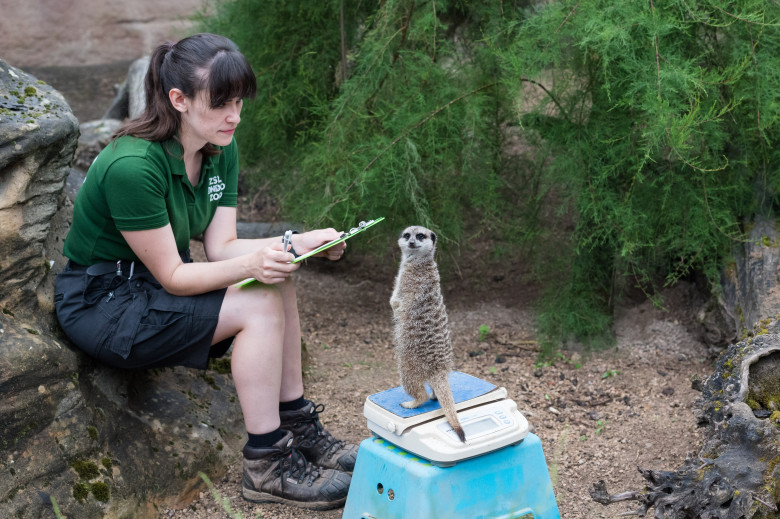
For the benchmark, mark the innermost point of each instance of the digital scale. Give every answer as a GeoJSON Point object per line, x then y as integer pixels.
{"type": "Point", "coordinates": [415, 466]}
{"type": "Point", "coordinates": [489, 419]}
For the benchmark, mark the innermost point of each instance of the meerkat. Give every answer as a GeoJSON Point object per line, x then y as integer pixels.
{"type": "Point", "coordinates": [423, 347]}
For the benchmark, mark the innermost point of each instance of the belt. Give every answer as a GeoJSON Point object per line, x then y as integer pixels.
{"type": "Point", "coordinates": [119, 267]}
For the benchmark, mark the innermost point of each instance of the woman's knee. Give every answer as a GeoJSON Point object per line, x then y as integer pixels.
{"type": "Point", "coordinates": [257, 307]}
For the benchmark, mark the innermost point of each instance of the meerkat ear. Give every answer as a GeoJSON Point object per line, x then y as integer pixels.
{"type": "Point", "coordinates": [433, 237]}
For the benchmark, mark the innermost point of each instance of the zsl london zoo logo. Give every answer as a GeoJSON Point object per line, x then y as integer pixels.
{"type": "Point", "coordinates": [216, 186]}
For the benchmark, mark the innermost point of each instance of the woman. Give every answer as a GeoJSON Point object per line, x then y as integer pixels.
{"type": "Point", "coordinates": [131, 297]}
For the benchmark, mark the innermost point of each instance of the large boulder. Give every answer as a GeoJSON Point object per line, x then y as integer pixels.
{"type": "Point", "coordinates": [130, 99]}
{"type": "Point", "coordinates": [38, 136]}
{"type": "Point", "coordinates": [102, 442]}
{"type": "Point", "coordinates": [97, 441]}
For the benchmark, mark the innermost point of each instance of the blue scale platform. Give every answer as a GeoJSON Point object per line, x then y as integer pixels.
{"type": "Point", "coordinates": [509, 483]}
{"type": "Point", "coordinates": [464, 387]}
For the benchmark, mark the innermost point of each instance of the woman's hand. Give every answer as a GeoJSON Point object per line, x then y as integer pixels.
{"type": "Point", "coordinates": [271, 265]}
{"type": "Point", "coordinates": [308, 241]}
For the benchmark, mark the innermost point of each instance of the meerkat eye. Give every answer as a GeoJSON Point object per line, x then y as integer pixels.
{"type": "Point", "coordinates": [407, 236]}
{"type": "Point", "coordinates": [420, 236]}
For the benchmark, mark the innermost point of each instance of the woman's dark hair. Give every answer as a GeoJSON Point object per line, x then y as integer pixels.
{"type": "Point", "coordinates": [203, 62]}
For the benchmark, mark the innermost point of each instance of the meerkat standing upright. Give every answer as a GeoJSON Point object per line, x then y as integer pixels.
{"type": "Point", "coordinates": [422, 334]}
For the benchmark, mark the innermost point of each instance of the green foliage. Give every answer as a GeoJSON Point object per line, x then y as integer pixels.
{"type": "Point", "coordinates": [295, 49]}
{"type": "Point", "coordinates": [85, 469]}
{"type": "Point", "coordinates": [80, 492]}
{"type": "Point", "coordinates": [661, 119]}
{"type": "Point", "coordinates": [221, 500]}
{"type": "Point", "coordinates": [101, 491]}
{"type": "Point", "coordinates": [622, 144]}
{"type": "Point", "coordinates": [483, 333]}
{"type": "Point", "coordinates": [56, 508]}
{"type": "Point", "coordinates": [413, 133]}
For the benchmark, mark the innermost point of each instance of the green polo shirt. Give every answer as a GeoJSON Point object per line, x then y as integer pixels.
{"type": "Point", "coordinates": [136, 185]}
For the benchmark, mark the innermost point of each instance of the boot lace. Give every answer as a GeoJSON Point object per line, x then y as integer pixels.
{"type": "Point", "coordinates": [293, 464]}
{"type": "Point", "coordinates": [318, 435]}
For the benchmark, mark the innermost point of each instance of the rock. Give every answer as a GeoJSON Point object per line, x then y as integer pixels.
{"type": "Point", "coordinates": [38, 136]}
{"type": "Point", "coordinates": [130, 99]}
{"type": "Point", "coordinates": [69, 425]}
{"type": "Point", "coordinates": [751, 291]}
{"type": "Point", "coordinates": [94, 136]}
{"type": "Point", "coordinates": [97, 441]}
{"type": "Point", "coordinates": [90, 32]}
{"type": "Point", "coordinates": [136, 94]}
{"type": "Point", "coordinates": [262, 229]}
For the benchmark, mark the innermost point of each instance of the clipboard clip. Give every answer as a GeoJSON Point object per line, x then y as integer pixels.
{"type": "Point", "coordinates": [286, 240]}
{"type": "Point", "coordinates": [360, 227]}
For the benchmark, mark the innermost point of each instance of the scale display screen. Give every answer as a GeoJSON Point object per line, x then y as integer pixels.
{"type": "Point", "coordinates": [479, 422]}
{"type": "Point", "coordinates": [480, 426]}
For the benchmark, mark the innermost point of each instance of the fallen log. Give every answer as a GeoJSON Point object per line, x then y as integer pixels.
{"type": "Point", "coordinates": [736, 473]}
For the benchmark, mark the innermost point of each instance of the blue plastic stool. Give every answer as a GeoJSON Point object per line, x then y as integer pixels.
{"type": "Point", "coordinates": [510, 483]}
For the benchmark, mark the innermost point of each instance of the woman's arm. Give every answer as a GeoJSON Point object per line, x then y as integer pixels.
{"type": "Point", "coordinates": [156, 248]}
{"type": "Point", "coordinates": [220, 239]}
{"type": "Point", "coordinates": [230, 259]}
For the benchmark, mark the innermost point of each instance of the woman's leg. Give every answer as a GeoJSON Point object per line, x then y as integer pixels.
{"type": "Point", "coordinates": [292, 367]}
{"type": "Point", "coordinates": [266, 358]}
{"type": "Point", "coordinates": [266, 365]}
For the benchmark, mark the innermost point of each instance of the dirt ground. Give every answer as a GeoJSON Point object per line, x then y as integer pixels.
{"type": "Point", "coordinates": [598, 417]}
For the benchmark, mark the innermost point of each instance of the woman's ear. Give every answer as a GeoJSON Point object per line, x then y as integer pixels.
{"type": "Point", "coordinates": [179, 101]}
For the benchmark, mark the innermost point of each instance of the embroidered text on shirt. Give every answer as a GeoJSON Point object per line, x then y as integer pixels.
{"type": "Point", "coordinates": [216, 186]}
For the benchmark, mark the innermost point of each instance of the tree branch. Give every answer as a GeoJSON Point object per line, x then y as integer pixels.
{"type": "Point", "coordinates": [343, 43]}
{"type": "Point", "coordinates": [657, 55]}
{"type": "Point", "coordinates": [549, 94]}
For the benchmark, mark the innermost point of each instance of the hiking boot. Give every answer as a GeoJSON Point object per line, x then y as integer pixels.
{"type": "Point", "coordinates": [281, 474]}
{"type": "Point", "coordinates": [317, 444]}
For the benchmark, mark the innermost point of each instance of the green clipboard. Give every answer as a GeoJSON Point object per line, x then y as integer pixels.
{"type": "Point", "coordinates": [362, 226]}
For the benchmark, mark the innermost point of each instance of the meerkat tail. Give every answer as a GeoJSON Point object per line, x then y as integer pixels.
{"type": "Point", "coordinates": [441, 388]}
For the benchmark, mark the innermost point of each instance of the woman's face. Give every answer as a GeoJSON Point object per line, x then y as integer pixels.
{"type": "Point", "coordinates": [214, 125]}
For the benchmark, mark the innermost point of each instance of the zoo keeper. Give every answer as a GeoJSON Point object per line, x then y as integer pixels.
{"type": "Point", "coordinates": [131, 297]}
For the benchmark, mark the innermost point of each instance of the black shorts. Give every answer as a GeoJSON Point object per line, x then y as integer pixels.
{"type": "Point", "coordinates": [132, 322]}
